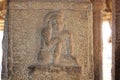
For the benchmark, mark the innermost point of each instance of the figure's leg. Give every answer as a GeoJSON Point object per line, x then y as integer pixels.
{"type": "Point", "coordinates": [57, 54]}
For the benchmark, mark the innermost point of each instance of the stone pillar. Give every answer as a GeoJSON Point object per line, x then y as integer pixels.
{"type": "Point", "coordinates": [116, 40]}
{"type": "Point", "coordinates": [97, 40]}
{"type": "Point", "coordinates": [48, 40]}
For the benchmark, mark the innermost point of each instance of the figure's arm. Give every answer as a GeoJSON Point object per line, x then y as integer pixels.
{"type": "Point", "coordinates": [67, 38]}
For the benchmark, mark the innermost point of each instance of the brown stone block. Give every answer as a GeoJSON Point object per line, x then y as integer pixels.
{"type": "Point", "coordinates": [19, 4]}
{"type": "Point", "coordinates": [59, 5]}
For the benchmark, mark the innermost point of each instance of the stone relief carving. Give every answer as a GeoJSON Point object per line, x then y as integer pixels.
{"type": "Point", "coordinates": [56, 42]}
{"type": "Point", "coordinates": [56, 52]}
{"type": "Point", "coordinates": [30, 59]}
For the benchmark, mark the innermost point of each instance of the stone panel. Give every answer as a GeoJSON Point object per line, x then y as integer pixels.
{"type": "Point", "coordinates": [52, 41]}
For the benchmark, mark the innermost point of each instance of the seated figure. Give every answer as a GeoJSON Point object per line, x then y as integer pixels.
{"type": "Point", "coordinates": [56, 42]}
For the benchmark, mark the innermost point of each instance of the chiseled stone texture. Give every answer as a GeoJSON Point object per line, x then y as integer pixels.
{"type": "Point", "coordinates": [50, 40]}
{"type": "Point", "coordinates": [116, 40]}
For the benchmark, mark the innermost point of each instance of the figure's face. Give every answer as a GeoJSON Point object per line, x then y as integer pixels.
{"type": "Point", "coordinates": [56, 23]}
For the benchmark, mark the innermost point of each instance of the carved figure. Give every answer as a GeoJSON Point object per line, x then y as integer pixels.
{"type": "Point", "coordinates": [56, 42]}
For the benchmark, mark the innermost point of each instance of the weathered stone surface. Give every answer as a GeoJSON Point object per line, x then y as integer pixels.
{"type": "Point", "coordinates": [97, 39]}
{"type": "Point", "coordinates": [19, 4]}
{"type": "Point", "coordinates": [116, 40]}
{"type": "Point", "coordinates": [52, 41]}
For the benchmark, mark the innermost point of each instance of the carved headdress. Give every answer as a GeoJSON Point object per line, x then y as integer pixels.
{"type": "Point", "coordinates": [48, 23]}
{"type": "Point", "coordinates": [53, 14]}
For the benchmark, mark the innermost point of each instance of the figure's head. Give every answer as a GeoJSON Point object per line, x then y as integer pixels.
{"type": "Point", "coordinates": [54, 20]}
